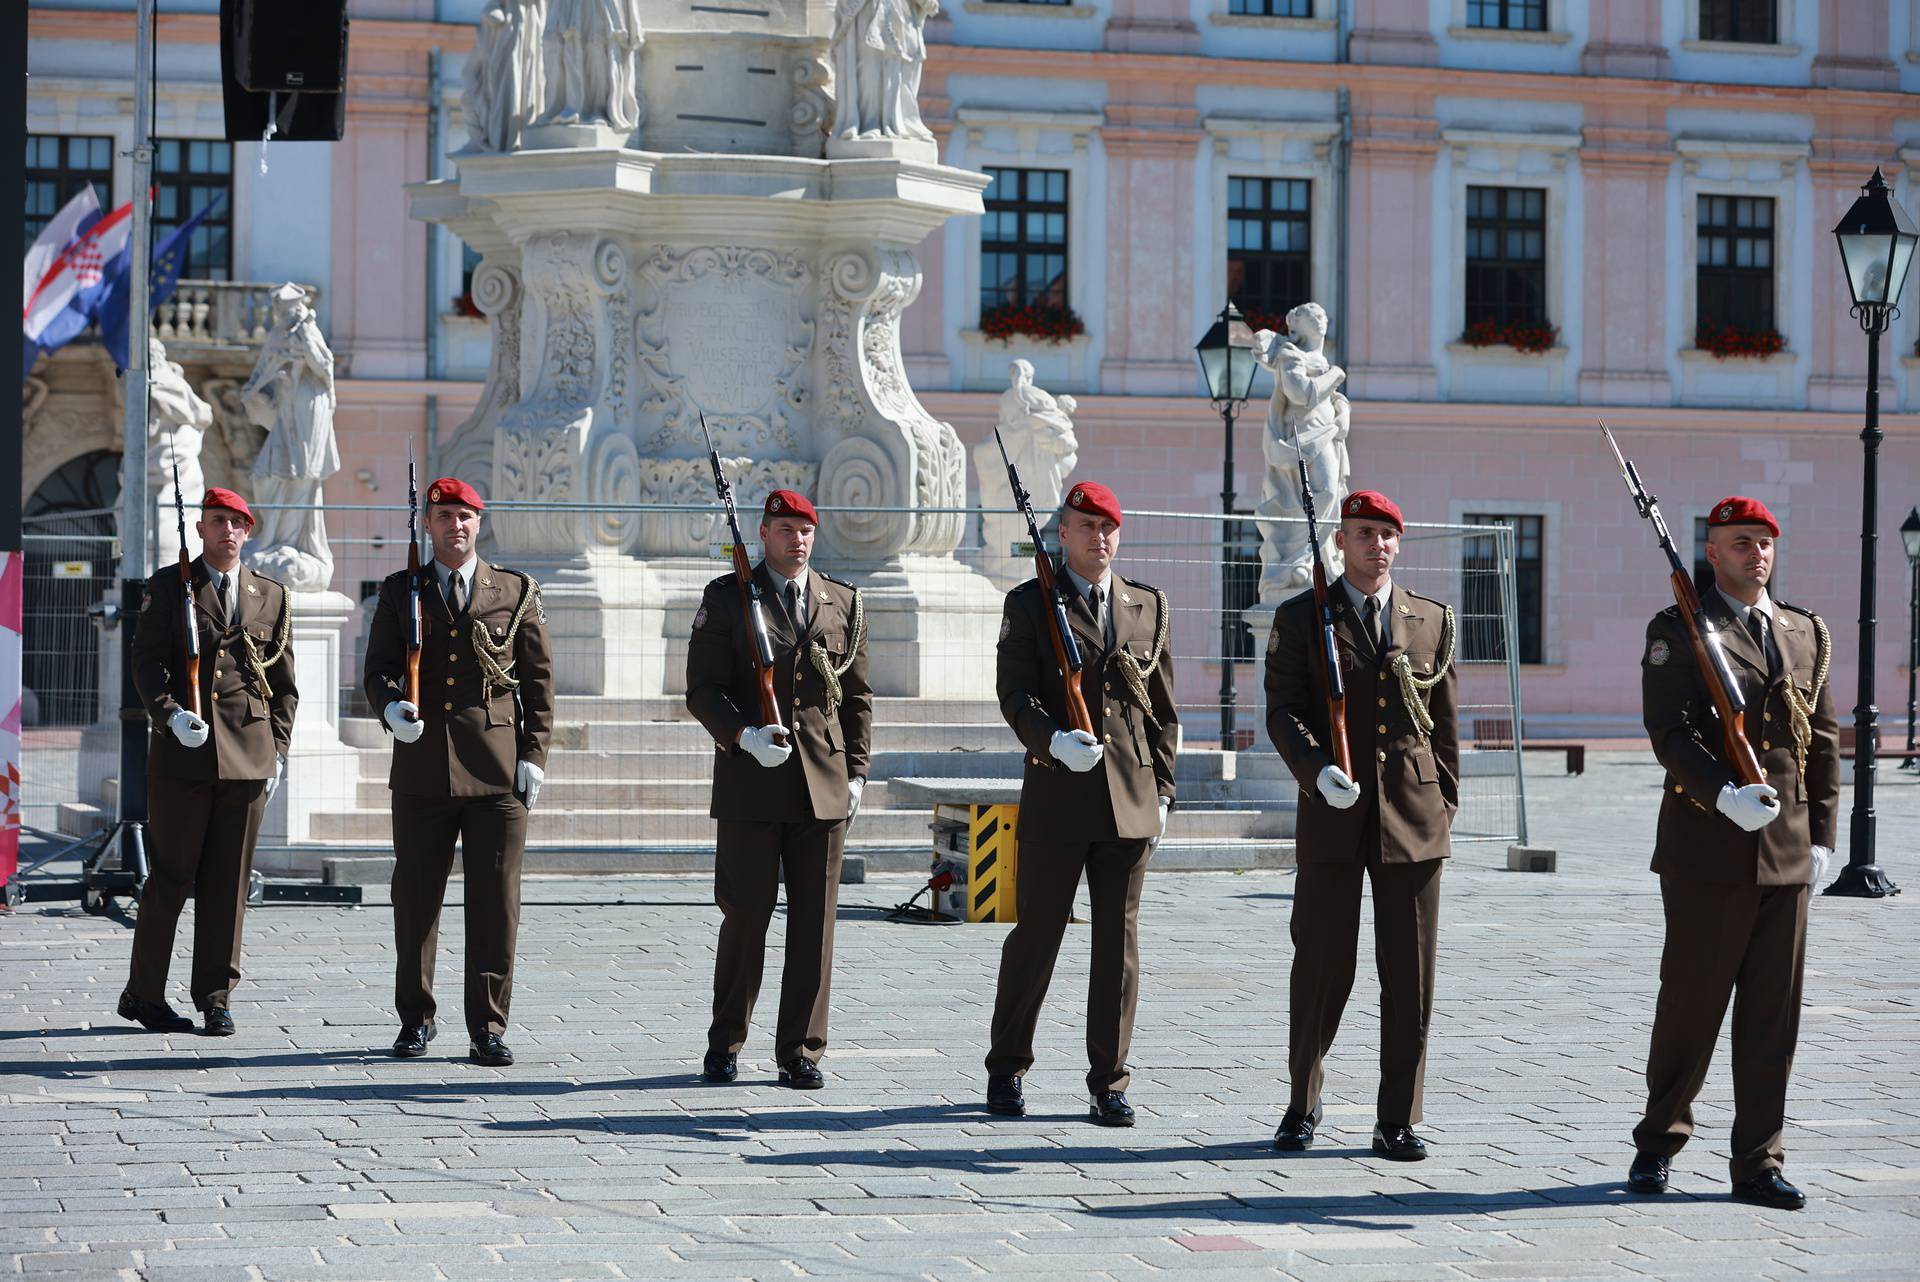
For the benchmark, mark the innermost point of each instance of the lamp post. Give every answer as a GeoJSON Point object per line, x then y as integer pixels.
{"type": "Point", "coordinates": [1910, 538]}
{"type": "Point", "coordinates": [1876, 245]}
{"type": "Point", "coordinates": [1225, 353]}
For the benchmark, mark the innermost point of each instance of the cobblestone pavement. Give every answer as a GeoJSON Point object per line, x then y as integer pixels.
{"type": "Point", "coordinates": [299, 1150]}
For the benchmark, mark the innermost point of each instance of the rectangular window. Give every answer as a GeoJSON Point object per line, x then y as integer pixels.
{"type": "Point", "coordinates": [1272, 8]}
{"type": "Point", "coordinates": [1733, 281]}
{"type": "Point", "coordinates": [59, 168]}
{"type": "Point", "coordinates": [1506, 256]}
{"type": "Point", "coordinates": [1023, 239]}
{"type": "Point", "coordinates": [1508, 15]}
{"type": "Point", "coordinates": [1269, 247]}
{"type": "Point", "coordinates": [187, 174]}
{"type": "Point", "coordinates": [1742, 21]}
{"type": "Point", "coordinates": [1482, 624]}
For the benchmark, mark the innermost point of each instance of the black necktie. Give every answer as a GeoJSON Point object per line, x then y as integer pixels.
{"type": "Point", "coordinates": [1757, 627]}
{"type": "Point", "coordinates": [793, 606]}
{"type": "Point", "coordinates": [456, 594]}
{"type": "Point", "coordinates": [1094, 603]}
{"type": "Point", "coordinates": [1372, 622]}
{"type": "Point", "coordinates": [220, 598]}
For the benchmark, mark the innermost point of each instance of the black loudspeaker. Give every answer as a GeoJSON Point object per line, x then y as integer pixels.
{"type": "Point", "coordinates": [287, 58]}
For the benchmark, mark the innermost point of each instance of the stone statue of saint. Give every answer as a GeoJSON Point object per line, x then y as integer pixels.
{"type": "Point", "coordinates": [504, 86]}
{"type": "Point", "coordinates": [1037, 427]}
{"type": "Point", "coordinates": [593, 63]}
{"type": "Point", "coordinates": [290, 394]}
{"type": "Point", "coordinates": [879, 48]}
{"type": "Point", "coordinates": [1307, 416]}
{"type": "Point", "coordinates": [177, 423]}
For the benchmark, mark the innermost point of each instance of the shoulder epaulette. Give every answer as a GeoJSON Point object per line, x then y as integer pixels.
{"type": "Point", "coordinates": [1031, 585]}
{"type": "Point", "coordinates": [1797, 609]}
{"type": "Point", "coordinates": [837, 582]}
{"type": "Point", "coordinates": [276, 583]}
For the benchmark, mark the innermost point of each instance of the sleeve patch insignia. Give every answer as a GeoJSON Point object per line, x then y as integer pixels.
{"type": "Point", "coordinates": [1006, 627]}
{"type": "Point", "coordinates": [1273, 640]}
{"type": "Point", "coordinates": [1658, 653]}
{"type": "Point", "coordinates": [700, 617]}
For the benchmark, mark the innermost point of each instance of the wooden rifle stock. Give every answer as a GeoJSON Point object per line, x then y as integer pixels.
{"type": "Point", "coordinates": [416, 607]}
{"type": "Point", "coordinates": [760, 649]}
{"type": "Point", "coordinates": [190, 618]}
{"type": "Point", "coordinates": [1329, 646]}
{"type": "Point", "coordinates": [1078, 716]}
{"type": "Point", "coordinates": [1729, 705]}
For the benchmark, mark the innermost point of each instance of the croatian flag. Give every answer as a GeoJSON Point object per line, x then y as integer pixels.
{"type": "Point", "coordinates": [61, 300]}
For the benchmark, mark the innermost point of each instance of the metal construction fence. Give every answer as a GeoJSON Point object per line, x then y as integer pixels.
{"type": "Point", "coordinates": [629, 768]}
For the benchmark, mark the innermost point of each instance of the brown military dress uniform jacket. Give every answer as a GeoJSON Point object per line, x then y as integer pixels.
{"type": "Point", "coordinates": [788, 822]}
{"type": "Point", "coordinates": [205, 804]}
{"type": "Point", "coordinates": [1417, 776]}
{"type": "Point", "coordinates": [1735, 902]}
{"type": "Point", "coordinates": [1395, 836]}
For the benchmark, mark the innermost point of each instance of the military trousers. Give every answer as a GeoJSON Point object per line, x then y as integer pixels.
{"type": "Point", "coordinates": [492, 833]}
{"type": "Point", "coordinates": [1326, 935]}
{"type": "Point", "coordinates": [1043, 903]}
{"type": "Point", "coordinates": [751, 861]}
{"type": "Point", "coordinates": [1746, 944]}
{"type": "Point", "coordinates": [200, 842]}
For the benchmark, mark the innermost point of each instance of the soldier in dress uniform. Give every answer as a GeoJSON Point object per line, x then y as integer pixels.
{"type": "Point", "coordinates": [1389, 823]}
{"type": "Point", "coordinates": [1736, 862]}
{"type": "Point", "coordinates": [783, 796]}
{"type": "Point", "coordinates": [1087, 803]}
{"type": "Point", "coordinates": [209, 777]}
{"type": "Point", "coordinates": [467, 764]}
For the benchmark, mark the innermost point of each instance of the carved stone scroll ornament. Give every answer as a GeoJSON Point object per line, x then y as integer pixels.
{"type": "Point", "coordinates": [689, 482]}
{"type": "Point", "coordinates": [890, 453]}
{"type": "Point", "coordinates": [468, 452]}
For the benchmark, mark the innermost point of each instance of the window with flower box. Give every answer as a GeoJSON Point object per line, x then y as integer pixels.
{"type": "Point", "coordinates": [1506, 268]}
{"type": "Point", "coordinates": [1269, 247]}
{"type": "Point", "coordinates": [1023, 255]}
{"type": "Point", "coordinates": [1733, 276]}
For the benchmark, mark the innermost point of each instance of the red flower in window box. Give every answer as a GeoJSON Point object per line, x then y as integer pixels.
{"type": "Point", "coordinates": [1728, 341]}
{"type": "Point", "coordinates": [1047, 323]}
{"type": "Point", "coordinates": [1520, 337]}
{"type": "Point", "coordinates": [465, 306]}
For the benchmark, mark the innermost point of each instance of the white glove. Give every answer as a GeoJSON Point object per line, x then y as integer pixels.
{"type": "Point", "coordinates": [760, 742]}
{"type": "Point", "coordinates": [856, 789]}
{"type": "Point", "coordinates": [1165, 803]}
{"type": "Point", "coordinates": [1818, 874]}
{"type": "Point", "coordinates": [1752, 807]}
{"type": "Point", "coordinates": [404, 720]}
{"type": "Point", "coordinates": [527, 780]}
{"type": "Point", "coordinates": [279, 773]}
{"type": "Point", "coordinates": [1077, 750]}
{"type": "Point", "coordinates": [190, 730]}
{"type": "Point", "coordinates": [1339, 791]}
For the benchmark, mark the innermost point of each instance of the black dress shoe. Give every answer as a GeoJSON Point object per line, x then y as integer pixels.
{"type": "Point", "coordinates": [802, 1074]}
{"type": "Point", "coordinates": [1399, 1144]}
{"type": "Point", "coordinates": [1004, 1095]}
{"type": "Point", "coordinates": [1110, 1108]}
{"type": "Point", "coordinates": [1296, 1131]}
{"type": "Point", "coordinates": [1770, 1188]}
{"type": "Point", "coordinates": [219, 1022]}
{"type": "Point", "coordinates": [1648, 1174]}
{"type": "Point", "coordinates": [720, 1066]}
{"type": "Point", "coordinates": [413, 1039]}
{"type": "Point", "coordinates": [489, 1051]}
{"type": "Point", "coordinates": [156, 1017]}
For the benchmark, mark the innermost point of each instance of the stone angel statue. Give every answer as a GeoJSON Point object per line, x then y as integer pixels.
{"type": "Point", "coordinates": [1037, 427]}
{"type": "Point", "coordinates": [290, 393]}
{"type": "Point", "coordinates": [504, 85]}
{"type": "Point", "coordinates": [593, 63]}
{"type": "Point", "coordinates": [1307, 416]}
{"type": "Point", "coordinates": [177, 423]}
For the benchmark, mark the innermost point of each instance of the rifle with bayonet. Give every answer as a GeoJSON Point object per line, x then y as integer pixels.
{"type": "Point", "coordinates": [1729, 704]}
{"type": "Point", "coordinates": [416, 611]}
{"type": "Point", "coordinates": [1066, 650]}
{"type": "Point", "coordinates": [1329, 648]}
{"type": "Point", "coordinates": [762, 647]}
{"type": "Point", "coordinates": [189, 616]}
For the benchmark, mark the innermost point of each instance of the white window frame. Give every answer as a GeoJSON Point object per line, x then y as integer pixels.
{"type": "Point", "coordinates": [1556, 33]}
{"type": "Point", "coordinates": [1783, 27]}
{"type": "Point", "coordinates": [1548, 510]}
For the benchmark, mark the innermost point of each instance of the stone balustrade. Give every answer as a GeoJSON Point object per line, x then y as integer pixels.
{"type": "Point", "coordinates": [219, 313]}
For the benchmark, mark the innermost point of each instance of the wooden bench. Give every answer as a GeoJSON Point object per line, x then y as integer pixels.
{"type": "Point", "coordinates": [1495, 734]}
{"type": "Point", "coordinates": [1849, 738]}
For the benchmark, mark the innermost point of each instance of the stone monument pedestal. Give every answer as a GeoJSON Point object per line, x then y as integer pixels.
{"type": "Point", "coordinates": [323, 772]}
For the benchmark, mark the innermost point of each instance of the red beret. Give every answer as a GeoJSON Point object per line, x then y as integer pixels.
{"type": "Point", "coordinates": [218, 497]}
{"type": "Point", "coordinates": [1735, 510]}
{"type": "Point", "coordinates": [1372, 505]}
{"type": "Point", "coordinates": [1094, 499]}
{"type": "Point", "coordinates": [789, 503]}
{"type": "Point", "coordinates": [451, 489]}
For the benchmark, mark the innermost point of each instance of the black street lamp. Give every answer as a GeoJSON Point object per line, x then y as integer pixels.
{"type": "Point", "coordinates": [1910, 537]}
{"type": "Point", "coordinates": [1876, 245]}
{"type": "Point", "coordinates": [1226, 360]}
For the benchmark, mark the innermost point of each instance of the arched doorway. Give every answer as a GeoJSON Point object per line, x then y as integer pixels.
{"type": "Point", "coordinates": [71, 563]}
